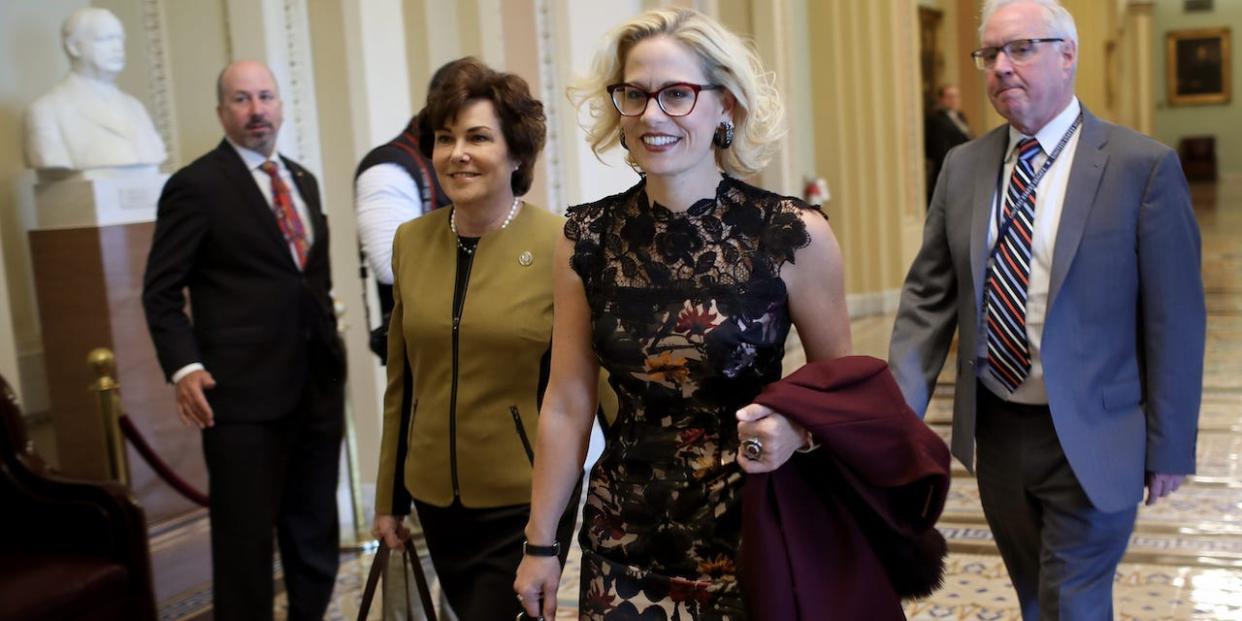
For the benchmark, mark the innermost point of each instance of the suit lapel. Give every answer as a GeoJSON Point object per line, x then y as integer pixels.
{"type": "Point", "coordinates": [255, 204]}
{"type": "Point", "coordinates": [1090, 159]}
{"type": "Point", "coordinates": [988, 166]}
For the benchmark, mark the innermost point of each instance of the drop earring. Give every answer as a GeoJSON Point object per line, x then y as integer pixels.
{"type": "Point", "coordinates": [723, 137]}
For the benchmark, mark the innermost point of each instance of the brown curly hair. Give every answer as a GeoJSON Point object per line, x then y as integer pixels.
{"type": "Point", "coordinates": [522, 120]}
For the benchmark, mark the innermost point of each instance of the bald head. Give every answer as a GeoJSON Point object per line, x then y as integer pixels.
{"type": "Point", "coordinates": [249, 106]}
{"type": "Point", "coordinates": [245, 67]}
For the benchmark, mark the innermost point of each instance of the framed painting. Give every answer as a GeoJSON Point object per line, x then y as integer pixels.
{"type": "Point", "coordinates": [1199, 66]}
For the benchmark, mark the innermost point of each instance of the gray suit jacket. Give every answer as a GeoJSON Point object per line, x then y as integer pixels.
{"type": "Point", "coordinates": [1124, 334]}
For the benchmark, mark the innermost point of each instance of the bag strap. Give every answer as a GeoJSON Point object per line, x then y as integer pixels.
{"type": "Point", "coordinates": [420, 579]}
{"type": "Point", "coordinates": [378, 566]}
{"type": "Point", "coordinates": [379, 569]}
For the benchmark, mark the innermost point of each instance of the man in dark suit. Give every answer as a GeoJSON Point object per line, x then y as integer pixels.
{"type": "Point", "coordinates": [943, 129]}
{"type": "Point", "coordinates": [1066, 251]}
{"type": "Point", "coordinates": [257, 363]}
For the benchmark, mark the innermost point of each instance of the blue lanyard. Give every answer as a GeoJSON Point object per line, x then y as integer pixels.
{"type": "Point", "coordinates": [1003, 223]}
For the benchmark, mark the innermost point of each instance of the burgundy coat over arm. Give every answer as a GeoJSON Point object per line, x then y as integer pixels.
{"type": "Point", "coordinates": [810, 528]}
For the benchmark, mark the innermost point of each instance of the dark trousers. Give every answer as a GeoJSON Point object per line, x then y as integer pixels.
{"type": "Point", "coordinates": [1061, 552]}
{"type": "Point", "coordinates": [476, 553]}
{"type": "Point", "coordinates": [275, 481]}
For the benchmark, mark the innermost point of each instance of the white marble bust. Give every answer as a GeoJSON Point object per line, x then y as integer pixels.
{"type": "Point", "coordinates": [85, 123]}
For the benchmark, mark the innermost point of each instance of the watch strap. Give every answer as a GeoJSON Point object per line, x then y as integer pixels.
{"type": "Point", "coordinates": [530, 549]}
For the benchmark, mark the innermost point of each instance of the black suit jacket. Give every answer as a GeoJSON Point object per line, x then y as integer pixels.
{"type": "Point", "coordinates": [262, 327]}
{"type": "Point", "coordinates": [940, 134]}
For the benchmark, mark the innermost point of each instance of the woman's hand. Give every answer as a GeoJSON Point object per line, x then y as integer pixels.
{"type": "Point", "coordinates": [538, 578]}
{"type": "Point", "coordinates": [777, 436]}
{"type": "Point", "coordinates": [390, 530]}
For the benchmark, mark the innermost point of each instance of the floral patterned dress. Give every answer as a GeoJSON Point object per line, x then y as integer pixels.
{"type": "Point", "coordinates": [689, 316]}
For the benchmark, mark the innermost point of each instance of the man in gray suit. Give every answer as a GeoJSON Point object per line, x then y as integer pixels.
{"type": "Point", "coordinates": [1071, 265]}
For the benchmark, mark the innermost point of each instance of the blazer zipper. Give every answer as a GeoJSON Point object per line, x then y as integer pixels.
{"type": "Point", "coordinates": [459, 303]}
{"type": "Point", "coordinates": [521, 431]}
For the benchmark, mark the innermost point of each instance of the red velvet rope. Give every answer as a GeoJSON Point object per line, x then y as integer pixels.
{"type": "Point", "coordinates": [158, 465]}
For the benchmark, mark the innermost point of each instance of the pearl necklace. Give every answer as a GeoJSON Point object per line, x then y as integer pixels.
{"type": "Point", "coordinates": [457, 236]}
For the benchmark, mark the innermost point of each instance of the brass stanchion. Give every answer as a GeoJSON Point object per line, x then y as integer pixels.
{"type": "Point", "coordinates": [107, 389]}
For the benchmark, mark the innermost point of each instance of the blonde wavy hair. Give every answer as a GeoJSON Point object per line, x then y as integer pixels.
{"type": "Point", "coordinates": [758, 114]}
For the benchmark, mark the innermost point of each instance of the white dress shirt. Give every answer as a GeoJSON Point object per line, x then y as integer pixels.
{"type": "Point", "coordinates": [1049, 197]}
{"type": "Point", "coordinates": [385, 197]}
{"type": "Point", "coordinates": [253, 160]}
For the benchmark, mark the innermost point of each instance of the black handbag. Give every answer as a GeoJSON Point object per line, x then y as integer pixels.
{"type": "Point", "coordinates": [379, 568]}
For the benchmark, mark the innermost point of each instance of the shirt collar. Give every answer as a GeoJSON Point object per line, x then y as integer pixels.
{"type": "Point", "coordinates": [254, 159]}
{"type": "Point", "coordinates": [1051, 132]}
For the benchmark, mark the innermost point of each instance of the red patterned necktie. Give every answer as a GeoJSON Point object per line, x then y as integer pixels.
{"type": "Point", "coordinates": [286, 214]}
{"type": "Point", "coordinates": [1009, 273]}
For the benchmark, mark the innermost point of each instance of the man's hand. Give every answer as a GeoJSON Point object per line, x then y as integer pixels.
{"type": "Point", "coordinates": [1160, 485]}
{"type": "Point", "coordinates": [192, 404]}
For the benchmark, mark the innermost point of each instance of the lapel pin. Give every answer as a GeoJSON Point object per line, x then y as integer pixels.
{"type": "Point", "coordinates": [526, 258]}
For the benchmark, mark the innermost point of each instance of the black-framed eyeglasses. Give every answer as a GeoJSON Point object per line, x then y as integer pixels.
{"type": "Point", "coordinates": [674, 99]}
{"type": "Point", "coordinates": [1018, 51]}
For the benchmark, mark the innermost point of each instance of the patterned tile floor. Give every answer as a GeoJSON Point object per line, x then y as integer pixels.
{"type": "Point", "coordinates": [1185, 559]}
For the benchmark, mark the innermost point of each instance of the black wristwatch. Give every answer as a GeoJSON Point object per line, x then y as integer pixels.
{"type": "Point", "coordinates": [529, 549]}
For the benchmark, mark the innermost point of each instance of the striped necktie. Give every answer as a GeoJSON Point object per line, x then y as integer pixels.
{"type": "Point", "coordinates": [286, 216]}
{"type": "Point", "coordinates": [1009, 271]}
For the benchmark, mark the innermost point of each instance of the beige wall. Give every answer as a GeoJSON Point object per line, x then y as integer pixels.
{"type": "Point", "coordinates": [199, 49]}
{"type": "Point", "coordinates": [1096, 25]}
{"type": "Point", "coordinates": [868, 137]}
{"type": "Point", "coordinates": [1172, 123]}
{"type": "Point", "coordinates": [970, 80]}
{"type": "Point", "coordinates": [31, 62]}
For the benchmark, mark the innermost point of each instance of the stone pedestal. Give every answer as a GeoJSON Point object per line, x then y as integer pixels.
{"type": "Point", "coordinates": [88, 253]}
{"type": "Point", "coordinates": [84, 203]}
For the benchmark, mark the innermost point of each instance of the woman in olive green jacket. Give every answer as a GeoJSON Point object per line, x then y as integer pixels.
{"type": "Point", "coordinates": [472, 321]}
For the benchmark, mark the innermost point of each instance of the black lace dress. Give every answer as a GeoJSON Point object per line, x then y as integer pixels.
{"type": "Point", "coordinates": [689, 316]}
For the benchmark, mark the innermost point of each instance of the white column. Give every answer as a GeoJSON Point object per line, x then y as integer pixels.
{"type": "Point", "coordinates": [379, 84]}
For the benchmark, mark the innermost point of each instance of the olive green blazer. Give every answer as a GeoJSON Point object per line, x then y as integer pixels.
{"type": "Point", "coordinates": [466, 440]}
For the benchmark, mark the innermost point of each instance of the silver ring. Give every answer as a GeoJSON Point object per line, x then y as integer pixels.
{"type": "Point", "coordinates": [752, 448]}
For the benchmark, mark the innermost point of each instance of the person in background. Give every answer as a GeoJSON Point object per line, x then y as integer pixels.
{"type": "Point", "coordinates": [684, 288]}
{"type": "Point", "coordinates": [1065, 252]}
{"type": "Point", "coordinates": [394, 183]}
{"type": "Point", "coordinates": [943, 129]}
{"type": "Point", "coordinates": [257, 362]}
